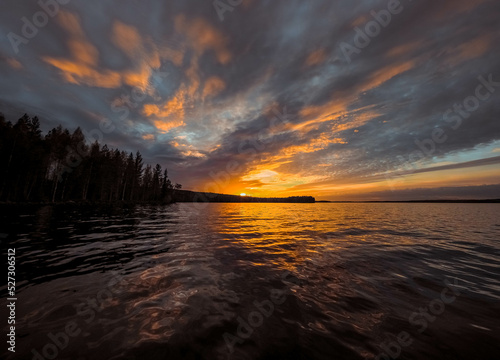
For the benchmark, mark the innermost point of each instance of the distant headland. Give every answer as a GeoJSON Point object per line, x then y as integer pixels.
{"type": "Point", "coordinates": [193, 196]}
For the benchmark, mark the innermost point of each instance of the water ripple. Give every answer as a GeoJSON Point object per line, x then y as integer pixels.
{"type": "Point", "coordinates": [305, 281]}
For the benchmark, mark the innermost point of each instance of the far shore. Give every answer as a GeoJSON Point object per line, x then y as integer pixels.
{"type": "Point", "coordinates": [244, 199]}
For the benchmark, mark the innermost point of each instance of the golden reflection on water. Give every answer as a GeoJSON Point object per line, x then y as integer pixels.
{"type": "Point", "coordinates": [290, 232]}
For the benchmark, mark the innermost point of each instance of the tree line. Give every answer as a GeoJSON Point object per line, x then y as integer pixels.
{"type": "Point", "coordinates": [194, 196]}
{"type": "Point", "coordinates": [60, 166]}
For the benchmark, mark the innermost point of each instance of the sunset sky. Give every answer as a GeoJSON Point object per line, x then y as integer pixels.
{"type": "Point", "coordinates": [272, 98]}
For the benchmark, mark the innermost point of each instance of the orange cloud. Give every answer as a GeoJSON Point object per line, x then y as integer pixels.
{"type": "Point", "coordinates": [138, 48]}
{"type": "Point", "coordinates": [316, 144]}
{"type": "Point", "coordinates": [404, 49]}
{"type": "Point", "coordinates": [174, 55]}
{"type": "Point", "coordinates": [126, 38]}
{"type": "Point", "coordinates": [84, 51]}
{"type": "Point", "coordinates": [335, 113]}
{"type": "Point", "coordinates": [13, 63]}
{"type": "Point", "coordinates": [148, 137]}
{"type": "Point", "coordinates": [319, 114]}
{"type": "Point", "coordinates": [337, 108]}
{"type": "Point", "coordinates": [139, 77]}
{"type": "Point", "coordinates": [193, 77]}
{"type": "Point", "coordinates": [474, 48]}
{"type": "Point", "coordinates": [168, 116]}
{"type": "Point", "coordinates": [78, 73]}
{"type": "Point", "coordinates": [70, 23]}
{"type": "Point", "coordinates": [83, 66]}
{"type": "Point", "coordinates": [213, 86]}
{"type": "Point", "coordinates": [166, 125]}
{"type": "Point", "coordinates": [175, 106]}
{"type": "Point", "coordinates": [383, 75]}
{"type": "Point", "coordinates": [316, 57]}
{"type": "Point", "coordinates": [360, 20]}
{"type": "Point", "coordinates": [264, 181]}
{"type": "Point", "coordinates": [185, 148]}
{"type": "Point", "coordinates": [80, 48]}
{"type": "Point", "coordinates": [78, 45]}
{"type": "Point", "coordinates": [193, 153]}
{"type": "Point", "coordinates": [267, 170]}
{"type": "Point", "coordinates": [203, 36]}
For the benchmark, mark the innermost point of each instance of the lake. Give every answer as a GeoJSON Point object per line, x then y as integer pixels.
{"type": "Point", "coordinates": [255, 281]}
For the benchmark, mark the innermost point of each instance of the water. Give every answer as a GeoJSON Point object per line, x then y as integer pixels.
{"type": "Point", "coordinates": [256, 281]}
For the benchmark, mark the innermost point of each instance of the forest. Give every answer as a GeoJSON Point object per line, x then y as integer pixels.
{"type": "Point", "coordinates": [195, 196]}
{"type": "Point", "coordinates": [61, 167]}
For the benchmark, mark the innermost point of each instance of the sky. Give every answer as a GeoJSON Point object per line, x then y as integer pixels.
{"type": "Point", "coordinates": [340, 100]}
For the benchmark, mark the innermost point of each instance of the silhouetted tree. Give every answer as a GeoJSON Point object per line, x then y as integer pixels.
{"type": "Point", "coordinates": [60, 166]}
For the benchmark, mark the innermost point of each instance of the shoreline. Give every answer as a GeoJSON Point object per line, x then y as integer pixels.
{"type": "Point", "coordinates": [263, 201]}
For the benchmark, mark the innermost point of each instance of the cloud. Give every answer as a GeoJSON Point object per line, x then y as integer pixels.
{"type": "Point", "coordinates": [213, 86]}
{"type": "Point", "coordinates": [469, 164]}
{"type": "Point", "coordinates": [127, 39]}
{"type": "Point", "coordinates": [170, 115]}
{"type": "Point", "coordinates": [203, 36]}
{"type": "Point", "coordinates": [81, 68]}
{"type": "Point", "coordinates": [316, 57]}
{"type": "Point", "coordinates": [13, 63]}
{"type": "Point", "coordinates": [221, 83]}
{"type": "Point", "coordinates": [481, 192]}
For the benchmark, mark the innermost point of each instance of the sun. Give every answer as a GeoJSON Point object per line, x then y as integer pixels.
{"type": "Point", "coordinates": [243, 194]}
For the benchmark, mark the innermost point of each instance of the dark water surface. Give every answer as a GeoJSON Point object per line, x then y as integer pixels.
{"type": "Point", "coordinates": [256, 281]}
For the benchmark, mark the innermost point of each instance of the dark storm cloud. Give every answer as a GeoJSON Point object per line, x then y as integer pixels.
{"type": "Point", "coordinates": [216, 100]}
